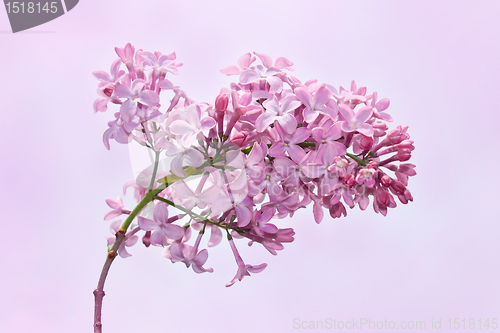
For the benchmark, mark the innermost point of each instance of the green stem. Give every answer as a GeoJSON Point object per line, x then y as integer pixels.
{"type": "Point", "coordinates": [306, 144]}
{"type": "Point", "coordinates": [150, 196]}
{"type": "Point", "coordinates": [357, 159]}
{"type": "Point", "coordinates": [192, 214]}
{"type": "Point", "coordinates": [155, 170]}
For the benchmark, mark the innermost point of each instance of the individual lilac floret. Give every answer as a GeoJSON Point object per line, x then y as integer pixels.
{"type": "Point", "coordinates": [243, 270]}
{"type": "Point", "coordinates": [379, 106]}
{"type": "Point", "coordinates": [289, 142]}
{"type": "Point", "coordinates": [188, 199]}
{"type": "Point", "coordinates": [315, 103]}
{"type": "Point", "coordinates": [126, 55]}
{"type": "Point", "coordinates": [189, 255]}
{"type": "Point", "coordinates": [268, 74]}
{"type": "Point", "coordinates": [191, 128]}
{"type": "Point", "coordinates": [356, 121]}
{"type": "Point", "coordinates": [107, 85]}
{"type": "Point", "coordinates": [130, 238]}
{"type": "Point", "coordinates": [134, 95]}
{"type": "Point", "coordinates": [163, 231]}
{"type": "Point", "coordinates": [117, 206]}
{"type": "Point", "coordinates": [160, 63]}
{"type": "Point", "coordinates": [282, 112]}
{"type": "Point", "coordinates": [244, 63]}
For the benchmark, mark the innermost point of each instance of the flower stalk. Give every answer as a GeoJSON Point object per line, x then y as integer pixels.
{"type": "Point", "coordinates": [268, 146]}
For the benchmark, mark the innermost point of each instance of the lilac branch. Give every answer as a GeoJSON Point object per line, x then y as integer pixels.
{"type": "Point", "coordinates": [193, 214]}
{"type": "Point", "coordinates": [99, 292]}
{"type": "Point", "coordinates": [120, 236]}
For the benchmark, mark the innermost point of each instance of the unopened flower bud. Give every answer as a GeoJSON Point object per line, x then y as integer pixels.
{"type": "Point", "coordinates": [221, 103]}
{"type": "Point", "coordinates": [366, 142]}
{"type": "Point", "coordinates": [337, 210]}
{"type": "Point", "coordinates": [383, 198]}
{"type": "Point", "coordinates": [408, 144]}
{"type": "Point", "coordinates": [108, 90]}
{"type": "Point", "coordinates": [372, 165]}
{"type": "Point", "coordinates": [397, 135]}
{"type": "Point", "coordinates": [240, 138]}
{"type": "Point", "coordinates": [240, 110]}
{"type": "Point", "coordinates": [385, 181]}
{"type": "Point", "coordinates": [349, 180]}
{"type": "Point", "coordinates": [379, 128]}
{"type": "Point", "coordinates": [403, 155]}
{"type": "Point", "coordinates": [398, 187]}
{"type": "Point", "coordinates": [146, 239]}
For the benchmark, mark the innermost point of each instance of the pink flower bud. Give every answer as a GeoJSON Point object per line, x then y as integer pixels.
{"type": "Point", "coordinates": [221, 103]}
{"type": "Point", "coordinates": [240, 110]}
{"type": "Point", "coordinates": [397, 135]}
{"type": "Point", "coordinates": [366, 142]}
{"type": "Point", "coordinates": [392, 167]}
{"type": "Point", "coordinates": [383, 198]}
{"type": "Point", "coordinates": [385, 180]}
{"type": "Point", "coordinates": [240, 138]}
{"type": "Point", "coordinates": [337, 210]}
{"type": "Point", "coordinates": [146, 239]}
{"type": "Point", "coordinates": [379, 128]}
{"type": "Point", "coordinates": [285, 235]}
{"type": "Point", "coordinates": [108, 90]}
{"type": "Point", "coordinates": [349, 180]}
{"type": "Point", "coordinates": [408, 144]}
{"type": "Point", "coordinates": [398, 187]}
{"type": "Point", "coordinates": [403, 155]}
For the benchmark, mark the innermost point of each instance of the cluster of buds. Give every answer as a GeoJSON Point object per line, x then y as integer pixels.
{"type": "Point", "coordinates": [266, 147]}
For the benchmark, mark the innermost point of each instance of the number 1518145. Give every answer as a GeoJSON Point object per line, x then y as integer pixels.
{"type": "Point", "coordinates": [24, 7]}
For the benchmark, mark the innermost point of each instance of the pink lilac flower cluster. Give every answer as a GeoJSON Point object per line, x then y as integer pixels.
{"type": "Point", "coordinates": [264, 148]}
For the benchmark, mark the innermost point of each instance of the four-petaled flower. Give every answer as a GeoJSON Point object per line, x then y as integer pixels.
{"type": "Point", "coordinates": [243, 270]}
{"type": "Point", "coordinates": [356, 121]}
{"type": "Point", "coordinates": [163, 231]}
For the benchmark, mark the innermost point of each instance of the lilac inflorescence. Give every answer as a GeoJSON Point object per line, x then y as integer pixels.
{"type": "Point", "coordinates": [264, 148]}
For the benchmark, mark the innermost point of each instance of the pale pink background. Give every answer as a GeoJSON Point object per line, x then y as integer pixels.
{"type": "Point", "coordinates": [438, 257]}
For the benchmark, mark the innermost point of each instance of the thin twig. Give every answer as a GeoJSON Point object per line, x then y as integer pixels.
{"type": "Point", "coordinates": [99, 292]}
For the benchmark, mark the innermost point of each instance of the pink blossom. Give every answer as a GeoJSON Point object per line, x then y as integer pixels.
{"type": "Point", "coordinates": [404, 171]}
{"type": "Point", "coordinates": [383, 200]}
{"type": "Point", "coordinates": [356, 121]}
{"type": "Point", "coordinates": [191, 128]}
{"type": "Point", "coordinates": [160, 62]}
{"type": "Point", "coordinates": [189, 255]}
{"type": "Point", "coordinates": [244, 62]}
{"type": "Point", "coordinates": [366, 176]}
{"type": "Point", "coordinates": [134, 96]}
{"type": "Point", "coordinates": [264, 148]}
{"type": "Point", "coordinates": [243, 270]}
{"type": "Point", "coordinates": [337, 210]}
{"type": "Point", "coordinates": [130, 239]}
{"type": "Point", "coordinates": [289, 143]}
{"type": "Point", "coordinates": [184, 196]}
{"type": "Point", "coordinates": [379, 106]}
{"type": "Point", "coordinates": [315, 103]}
{"type": "Point", "coordinates": [117, 206]}
{"type": "Point", "coordinates": [116, 131]}
{"type": "Point", "coordinates": [326, 136]}
{"type": "Point", "coordinates": [279, 112]}
{"type": "Point", "coordinates": [280, 63]}
{"type": "Point", "coordinates": [269, 75]}
{"type": "Point", "coordinates": [126, 54]}
{"type": "Point", "coordinates": [163, 231]}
